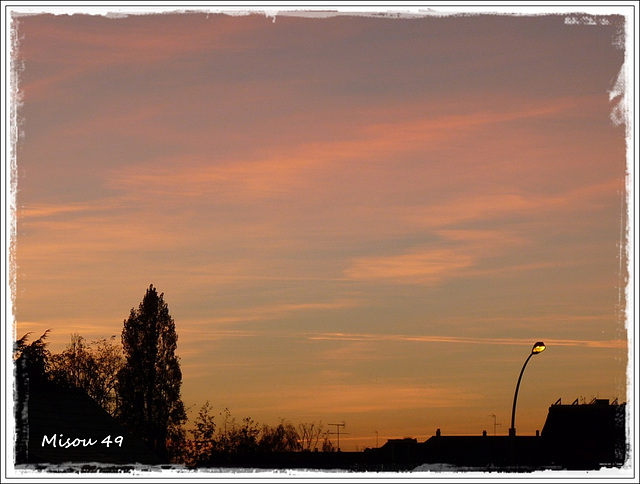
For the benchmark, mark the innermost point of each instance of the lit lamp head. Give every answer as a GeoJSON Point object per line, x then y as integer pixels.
{"type": "Point", "coordinates": [539, 347]}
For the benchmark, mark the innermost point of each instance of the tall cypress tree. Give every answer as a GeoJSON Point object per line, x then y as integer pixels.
{"type": "Point", "coordinates": [149, 383]}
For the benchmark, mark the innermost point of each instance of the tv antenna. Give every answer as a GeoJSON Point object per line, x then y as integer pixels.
{"type": "Point", "coordinates": [495, 424]}
{"type": "Point", "coordinates": [338, 425]}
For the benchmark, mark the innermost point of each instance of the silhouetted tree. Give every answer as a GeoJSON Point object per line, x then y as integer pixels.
{"type": "Point", "coordinates": [327, 444]}
{"type": "Point", "coordinates": [310, 434]}
{"type": "Point", "coordinates": [233, 439]}
{"type": "Point", "coordinates": [93, 367]}
{"type": "Point", "coordinates": [204, 435]}
{"type": "Point", "coordinates": [281, 438]}
{"type": "Point", "coordinates": [149, 382]}
{"type": "Point", "coordinates": [177, 444]}
{"type": "Point", "coordinates": [229, 443]}
{"type": "Point", "coordinates": [31, 361]}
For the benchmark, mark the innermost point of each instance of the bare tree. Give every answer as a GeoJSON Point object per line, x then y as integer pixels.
{"type": "Point", "coordinates": [93, 367]}
{"type": "Point", "coordinates": [203, 435]}
{"type": "Point", "coordinates": [310, 435]}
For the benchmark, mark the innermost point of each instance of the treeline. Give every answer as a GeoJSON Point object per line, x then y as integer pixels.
{"type": "Point", "coordinates": [230, 441]}
{"type": "Point", "coordinates": [138, 383]}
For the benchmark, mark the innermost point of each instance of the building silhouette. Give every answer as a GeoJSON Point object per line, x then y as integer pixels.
{"type": "Point", "coordinates": [579, 436]}
{"type": "Point", "coordinates": [586, 436]}
{"type": "Point", "coordinates": [58, 425]}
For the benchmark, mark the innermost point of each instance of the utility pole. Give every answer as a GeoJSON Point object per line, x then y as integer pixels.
{"type": "Point", "coordinates": [494, 423]}
{"type": "Point", "coordinates": [338, 425]}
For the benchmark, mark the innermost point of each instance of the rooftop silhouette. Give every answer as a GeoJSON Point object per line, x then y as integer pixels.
{"type": "Point", "coordinates": [575, 436]}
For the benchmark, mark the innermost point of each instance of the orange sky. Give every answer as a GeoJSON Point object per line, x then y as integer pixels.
{"type": "Point", "coordinates": [354, 218]}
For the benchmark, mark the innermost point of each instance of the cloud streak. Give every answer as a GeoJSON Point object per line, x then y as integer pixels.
{"type": "Point", "coordinates": [269, 175]}
{"type": "Point", "coordinates": [616, 344]}
{"type": "Point", "coordinates": [275, 311]}
{"type": "Point", "coordinates": [359, 398]}
{"type": "Point", "coordinates": [428, 266]}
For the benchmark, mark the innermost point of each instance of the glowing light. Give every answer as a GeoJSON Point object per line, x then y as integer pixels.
{"type": "Point", "coordinates": [539, 347]}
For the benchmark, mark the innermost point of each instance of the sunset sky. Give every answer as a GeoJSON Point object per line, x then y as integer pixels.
{"type": "Point", "coordinates": [354, 218]}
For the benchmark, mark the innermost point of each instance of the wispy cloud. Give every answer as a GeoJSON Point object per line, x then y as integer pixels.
{"type": "Point", "coordinates": [427, 266]}
{"type": "Point", "coordinates": [487, 207]}
{"type": "Point", "coordinates": [459, 249]}
{"type": "Point", "coordinates": [298, 166]}
{"type": "Point", "coordinates": [462, 340]}
{"type": "Point", "coordinates": [42, 210]}
{"type": "Point", "coordinates": [97, 45]}
{"type": "Point", "coordinates": [231, 181]}
{"type": "Point", "coordinates": [359, 398]}
{"type": "Point", "coordinates": [454, 253]}
{"type": "Point", "coordinates": [272, 311]}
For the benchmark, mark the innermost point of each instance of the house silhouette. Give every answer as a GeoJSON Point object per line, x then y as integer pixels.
{"type": "Point", "coordinates": [574, 437]}
{"type": "Point", "coordinates": [57, 425]}
{"type": "Point", "coordinates": [585, 436]}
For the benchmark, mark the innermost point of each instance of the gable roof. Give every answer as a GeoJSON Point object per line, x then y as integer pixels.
{"type": "Point", "coordinates": [66, 425]}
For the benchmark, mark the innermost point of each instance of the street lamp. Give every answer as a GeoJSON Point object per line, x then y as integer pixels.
{"type": "Point", "coordinates": [539, 347]}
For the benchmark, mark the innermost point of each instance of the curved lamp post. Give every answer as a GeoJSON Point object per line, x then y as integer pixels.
{"type": "Point", "coordinates": [539, 347]}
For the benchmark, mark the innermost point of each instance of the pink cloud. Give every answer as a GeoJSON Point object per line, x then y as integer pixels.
{"type": "Point", "coordinates": [457, 253]}
{"type": "Point", "coordinates": [489, 206]}
{"type": "Point", "coordinates": [82, 43]}
{"type": "Point", "coordinates": [274, 172]}
{"type": "Point", "coordinates": [422, 266]}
